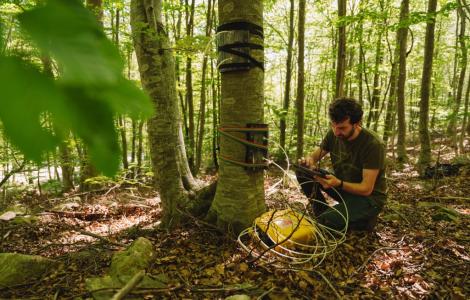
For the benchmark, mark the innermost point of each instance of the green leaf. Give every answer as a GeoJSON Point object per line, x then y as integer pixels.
{"type": "Point", "coordinates": [127, 98]}
{"type": "Point", "coordinates": [74, 38]}
{"type": "Point", "coordinates": [92, 119]}
{"type": "Point", "coordinates": [23, 101]}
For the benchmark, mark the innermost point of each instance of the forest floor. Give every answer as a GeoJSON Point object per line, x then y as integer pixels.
{"type": "Point", "coordinates": [420, 248]}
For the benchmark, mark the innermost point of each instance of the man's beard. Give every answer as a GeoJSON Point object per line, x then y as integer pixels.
{"type": "Point", "coordinates": [348, 135]}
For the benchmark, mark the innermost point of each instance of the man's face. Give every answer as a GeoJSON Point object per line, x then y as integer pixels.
{"type": "Point", "coordinates": [343, 130]}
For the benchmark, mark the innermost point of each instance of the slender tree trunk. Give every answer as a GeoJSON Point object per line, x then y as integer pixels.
{"type": "Point", "coordinates": [96, 6]}
{"type": "Point", "coordinates": [122, 131]}
{"type": "Point", "coordinates": [425, 153]}
{"type": "Point", "coordinates": [65, 158]}
{"type": "Point", "coordinates": [361, 65]}
{"type": "Point", "coordinates": [402, 36]}
{"type": "Point", "coordinates": [240, 193]}
{"type": "Point", "coordinates": [133, 140]}
{"type": "Point", "coordinates": [452, 128]}
{"type": "Point", "coordinates": [341, 54]}
{"type": "Point", "coordinates": [140, 147]}
{"type": "Point", "coordinates": [87, 170]}
{"type": "Point", "coordinates": [465, 116]}
{"type": "Point", "coordinates": [375, 100]}
{"type": "Point", "coordinates": [286, 100]}
{"type": "Point", "coordinates": [301, 81]}
{"type": "Point", "coordinates": [202, 107]}
{"type": "Point", "coordinates": [121, 119]}
{"type": "Point", "coordinates": [189, 86]}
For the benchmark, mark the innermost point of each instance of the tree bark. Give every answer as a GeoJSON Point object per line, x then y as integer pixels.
{"type": "Point", "coordinates": [286, 100]}
{"type": "Point", "coordinates": [156, 66]}
{"type": "Point", "coordinates": [189, 87]}
{"type": "Point", "coordinates": [239, 197]}
{"type": "Point", "coordinates": [402, 36]}
{"type": "Point", "coordinates": [375, 100]}
{"type": "Point", "coordinates": [301, 81]}
{"type": "Point", "coordinates": [341, 54]}
{"type": "Point", "coordinates": [452, 128]}
{"type": "Point", "coordinates": [87, 170]}
{"type": "Point", "coordinates": [202, 107]}
{"type": "Point", "coordinates": [65, 158]}
{"type": "Point", "coordinates": [425, 153]}
{"type": "Point", "coordinates": [465, 116]}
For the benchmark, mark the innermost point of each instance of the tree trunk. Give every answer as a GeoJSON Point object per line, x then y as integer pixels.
{"type": "Point", "coordinates": [156, 66]}
{"type": "Point", "coordinates": [375, 100]}
{"type": "Point", "coordinates": [452, 128]}
{"type": "Point", "coordinates": [96, 7]}
{"type": "Point", "coordinates": [87, 170]}
{"type": "Point", "coordinates": [361, 65]}
{"type": "Point", "coordinates": [122, 131]}
{"type": "Point", "coordinates": [286, 100]}
{"type": "Point", "coordinates": [341, 54]}
{"type": "Point", "coordinates": [301, 81]}
{"type": "Point", "coordinates": [425, 153]}
{"type": "Point", "coordinates": [65, 158]}
{"type": "Point", "coordinates": [239, 197]}
{"type": "Point", "coordinates": [133, 140]}
{"type": "Point", "coordinates": [189, 87]}
{"type": "Point", "coordinates": [465, 116]}
{"type": "Point", "coordinates": [202, 107]}
{"type": "Point", "coordinates": [402, 36]}
{"type": "Point", "coordinates": [140, 147]}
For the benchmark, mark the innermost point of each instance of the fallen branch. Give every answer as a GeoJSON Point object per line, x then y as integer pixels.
{"type": "Point", "coordinates": [447, 197]}
{"type": "Point", "coordinates": [78, 215]}
{"type": "Point", "coordinates": [230, 288]}
{"type": "Point", "coordinates": [135, 280]}
{"type": "Point", "coordinates": [103, 239]}
{"type": "Point", "coordinates": [9, 174]}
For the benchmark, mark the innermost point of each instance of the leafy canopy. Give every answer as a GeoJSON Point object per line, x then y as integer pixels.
{"type": "Point", "coordinates": [89, 90]}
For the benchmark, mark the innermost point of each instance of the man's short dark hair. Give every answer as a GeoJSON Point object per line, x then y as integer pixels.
{"type": "Point", "coordinates": [344, 108]}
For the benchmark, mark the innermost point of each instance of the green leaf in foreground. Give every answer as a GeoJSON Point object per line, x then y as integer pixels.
{"type": "Point", "coordinates": [26, 94]}
{"type": "Point", "coordinates": [74, 38]}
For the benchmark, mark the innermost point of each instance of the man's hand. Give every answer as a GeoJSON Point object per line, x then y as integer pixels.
{"type": "Point", "coordinates": [308, 162]}
{"type": "Point", "coordinates": [328, 182]}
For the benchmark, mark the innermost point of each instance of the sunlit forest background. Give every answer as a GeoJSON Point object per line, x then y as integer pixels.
{"type": "Point", "coordinates": [371, 42]}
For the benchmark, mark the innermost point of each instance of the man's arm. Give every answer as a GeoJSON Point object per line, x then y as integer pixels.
{"type": "Point", "coordinates": [364, 188]}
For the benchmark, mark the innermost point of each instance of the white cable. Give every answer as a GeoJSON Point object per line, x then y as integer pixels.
{"type": "Point", "coordinates": [326, 239]}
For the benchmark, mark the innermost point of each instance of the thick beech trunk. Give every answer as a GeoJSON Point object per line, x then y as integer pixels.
{"type": "Point", "coordinates": [240, 194]}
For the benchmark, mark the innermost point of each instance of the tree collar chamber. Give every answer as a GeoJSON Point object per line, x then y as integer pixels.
{"type": "Point", "coordinates": [235, 43]}
{"type": "Point", "coordinates": [256, 144]}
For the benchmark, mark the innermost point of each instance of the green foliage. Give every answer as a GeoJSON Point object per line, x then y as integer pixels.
{"type": "Point", "coordinates": [89, 91]}
{"type": "Point", "coordinates": [51, 187]}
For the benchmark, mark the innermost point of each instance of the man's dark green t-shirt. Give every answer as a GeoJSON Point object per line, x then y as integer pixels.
{"type": "Point", "coordinates": [349, 158]}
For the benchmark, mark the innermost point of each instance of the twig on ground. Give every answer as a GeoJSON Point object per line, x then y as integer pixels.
{"type": "Point", "coordinates": [103, 239]}
{"type": "Point", "coordinates": [112, 189]}
{"type": "Point", "coordinates": [370, 256]}
{"type": "Point", "coordinates": [265, 293]}
{"type": "Point", "coordinates": [135, 280]}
